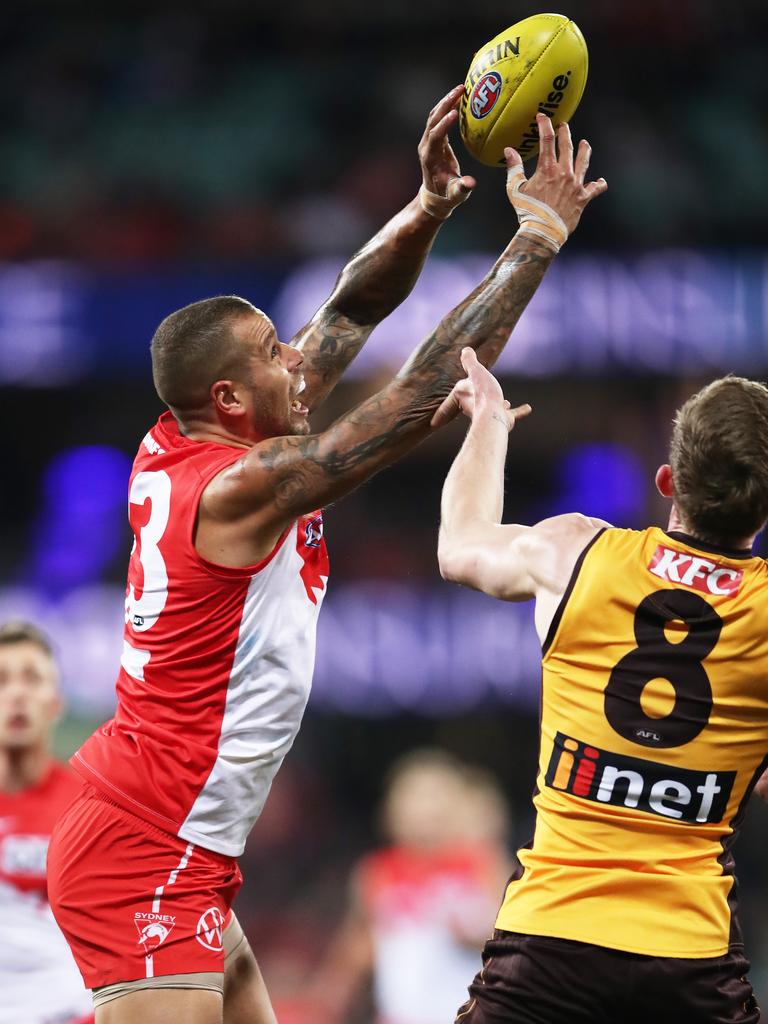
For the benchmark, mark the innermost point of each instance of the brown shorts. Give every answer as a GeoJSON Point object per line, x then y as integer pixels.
{"type": "Point", "coordinates": [528, 979]}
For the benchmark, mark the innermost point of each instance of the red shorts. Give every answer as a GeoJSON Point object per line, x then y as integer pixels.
{"type": "Point", "coordinates": [134, 901]}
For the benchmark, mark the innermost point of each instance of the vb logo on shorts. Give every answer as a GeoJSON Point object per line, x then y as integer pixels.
{"type": "Point", "coordinates": [210, 929]}
{"type": "Point", "coordinates": [666, 790]}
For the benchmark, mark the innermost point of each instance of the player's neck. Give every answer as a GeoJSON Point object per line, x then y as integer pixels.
{"type": "Point", "coordinates": [676, 525]}
{"type": "Point", "coordinates": [20, 769]}
{"type": "Point", "coordinates": [203, 430]}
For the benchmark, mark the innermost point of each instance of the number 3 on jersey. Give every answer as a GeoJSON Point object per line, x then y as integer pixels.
{"type": "Point", "coordinates": [656, 657]}
{"type": "Point", "coordinates": [149, 525]}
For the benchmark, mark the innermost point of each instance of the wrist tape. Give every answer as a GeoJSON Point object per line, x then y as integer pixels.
{"type": "Point", "coordinates": [441, 207]}
{"type": "Point", "coordinates": [536, 218]}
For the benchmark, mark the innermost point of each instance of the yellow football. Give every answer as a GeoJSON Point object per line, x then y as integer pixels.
{"type": "Point", "coordinates": [538, 64]}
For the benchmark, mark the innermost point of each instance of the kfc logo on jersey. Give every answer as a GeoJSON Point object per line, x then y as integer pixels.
{"type": "Point", "coordinates": [485, 94]}
{"type": "Point", "coordinates": [210, 929]}
{"type": "Point", "coordinates": [693, 797]}
{"type": "Point", "coordinates": [153, 929]}
{"type": "Point", "coordinates": [696, 572]}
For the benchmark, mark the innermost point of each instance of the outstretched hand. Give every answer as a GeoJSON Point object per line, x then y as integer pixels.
{"type": "Point", "coordinates": [479, 390]}
{"type": "Point", "coordinates": [439, 167]}
{"type": "Point", "coordinates": [558, 180]}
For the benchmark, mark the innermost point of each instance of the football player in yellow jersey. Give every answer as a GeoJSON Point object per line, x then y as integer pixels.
{"type": "Point", "coordinates": [654, 724]}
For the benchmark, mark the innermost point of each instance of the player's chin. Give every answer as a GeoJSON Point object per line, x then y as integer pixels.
{"type": "Point", "coordinates": [300, 423]}
{"type": "Point", "coordinates": [17, 739]}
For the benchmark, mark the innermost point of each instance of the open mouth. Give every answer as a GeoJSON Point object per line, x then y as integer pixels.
{"type": "Point", "coordinates": [296, 405]}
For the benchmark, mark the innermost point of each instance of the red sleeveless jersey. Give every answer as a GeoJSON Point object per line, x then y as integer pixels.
{"type": "Point", "coordinates": [217, 662]}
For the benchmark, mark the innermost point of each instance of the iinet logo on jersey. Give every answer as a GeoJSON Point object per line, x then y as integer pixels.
{"type": "Point", "coordinates": [671, 792]}
{"type": "Point", "coordinates": [695, 572]}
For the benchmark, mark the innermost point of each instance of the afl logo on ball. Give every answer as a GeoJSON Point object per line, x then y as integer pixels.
{"type": "Point", "coordinates": [485, 94]}
{"type": "Point", "coordinates": [210, 929]}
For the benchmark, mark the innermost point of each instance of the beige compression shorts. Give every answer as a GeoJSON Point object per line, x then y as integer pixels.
{"type": "Point", "coordinates": [233, 938]}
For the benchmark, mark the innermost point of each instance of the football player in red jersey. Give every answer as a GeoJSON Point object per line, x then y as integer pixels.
{"type": "Point", "coordinates": [38, 978]}
{"type": "Point", "coordinates": [226, 578]}
{"type": "Point", "coordinates": [419, 905]}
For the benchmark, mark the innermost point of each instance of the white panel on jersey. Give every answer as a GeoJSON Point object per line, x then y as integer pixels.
{"type": "Point", "coordinates": [133, 660]}
{"type": "Point", "coordinates": [267, 692]}
{"type": "Point", "coordinates": [38, 977]}
{"type": "Point", "coordinates": [406, 956]}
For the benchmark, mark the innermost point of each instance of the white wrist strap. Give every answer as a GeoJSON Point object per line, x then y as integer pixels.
{"type": "Point", "coordinates": [536, 218]}
{"type": "Point", "coordinates": [440, 207]}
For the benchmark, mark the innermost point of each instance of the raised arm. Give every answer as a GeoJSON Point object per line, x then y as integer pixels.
{"type": "Point", "coordinates": [285, 477]}
{"type": "Point", "coordinates": [511, 562]}
{"type": "Point", "coordinates": [379, 277]}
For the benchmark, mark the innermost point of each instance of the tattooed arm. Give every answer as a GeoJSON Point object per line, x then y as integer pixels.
{"type": "Point", "coordinates": [385, 270]}
{"type": "Point", "coordinates": [298, 474]}
{"type": "Point", "coordinates": [282, 478]}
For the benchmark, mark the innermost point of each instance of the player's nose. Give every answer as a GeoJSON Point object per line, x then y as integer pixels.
{"type": "Point", "coordinates": [291, 357]}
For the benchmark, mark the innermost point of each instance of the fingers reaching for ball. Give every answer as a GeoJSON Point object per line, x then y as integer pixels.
{"type": "Point", "coordinates": [555, 147]}
{"type": "Point", "coordinates": [595, 189]}
{"type": "Point", "coordinates": [565, 146]}
{"type": "Point", "coordinates": [581, 166]}
{"type": "Point", "coordinates": [440, 168]}
{"type": "Point", "coordinates": [550, 202]}
{"type": "Point", "coordinates": [514, 162]}
{"type": "Point", "coordinates": [444, 106]}
{"type": "Point", "coordinates": [547, 155]}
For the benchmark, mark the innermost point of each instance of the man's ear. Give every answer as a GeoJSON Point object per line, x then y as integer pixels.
{"type": "Point", "coordinates": [664, 483]}
{"type": "Point", "coordinates": [225, 397]}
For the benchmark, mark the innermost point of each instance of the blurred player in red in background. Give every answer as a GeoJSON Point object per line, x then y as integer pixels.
{"type": "Point", "coordinates": [39, 982]}
{"type": "Point", "coordinates": [225, 582]}
{"type": "Point", "coordinates": [420, 906]}
{"type": "Point", "coordinates": [654, 726]}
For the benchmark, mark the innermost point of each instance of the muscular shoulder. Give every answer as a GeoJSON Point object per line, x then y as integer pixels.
{"type": "Point", "coordinates": [552, 547]}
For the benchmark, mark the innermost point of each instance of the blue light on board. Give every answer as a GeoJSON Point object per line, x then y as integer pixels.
{"type": "Point", "coordinates": [80, 527]}
{"type": "Point", "coordinates": [607, 481]}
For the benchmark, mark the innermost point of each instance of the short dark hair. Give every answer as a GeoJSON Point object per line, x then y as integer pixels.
{"type": "Point", "coordinates": [719, 459]}
{"type": "Point", "coordinates": [17, 631]}
{"type": "Point", "coordinates": [195, 346]}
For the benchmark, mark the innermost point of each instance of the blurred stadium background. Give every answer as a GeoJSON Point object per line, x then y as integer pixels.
{"type": "Point", "coordinates": [151, 155]}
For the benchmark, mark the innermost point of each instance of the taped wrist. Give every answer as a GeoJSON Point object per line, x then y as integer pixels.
{"type": "Point", "coordinates": [536, 218]}
{"type": "Point", "coordinates": [441, 207]}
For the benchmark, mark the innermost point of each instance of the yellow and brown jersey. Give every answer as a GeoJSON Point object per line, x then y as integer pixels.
{"type": "Point", "coordinates": [654, 729]}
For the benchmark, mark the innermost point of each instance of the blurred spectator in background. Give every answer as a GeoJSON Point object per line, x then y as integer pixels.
{"type": "Point", "coordinates": [134, 109]}
{"type": "Point", "coordinates": [39, 981]}
{"type": "Point", "coordinates": [420, 907]}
